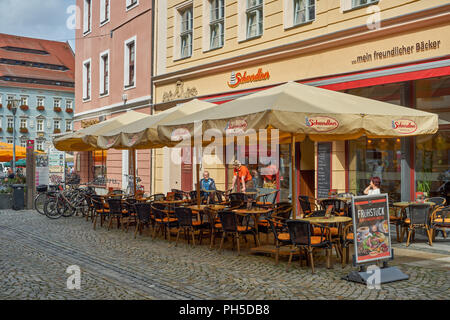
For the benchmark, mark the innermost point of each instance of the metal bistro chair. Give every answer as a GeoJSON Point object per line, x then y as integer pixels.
{"type": "Point", "coordinates": [267, 199]}
{"type": "Point", "coordinates": [418, 217]}
{"type": "Point", "coordinates": [230, 225]}
{"type": "Point", "coordinates": [115, 211]}
{"type": "Point", "coordinates": [301, 237]}
{"type": "Point", "coordinates": [237, 200]}
{"type": "Point", "coordinates": [305, 204]}
{"type": "Point", "coordinates": [99, 210]}
{"type": "Point", "coordinates": [143, 216]}
{"type": "Point", "coordinates": [280, 234]}
{"type": "Point", "coordinates": [187, 224]}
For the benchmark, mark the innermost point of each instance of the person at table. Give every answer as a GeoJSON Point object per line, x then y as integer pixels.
{"type": "Point", "coordinates": [207, 184]}
{"type": "Point", "coordinates": [242, 174]}
{"type": "Point", "coordinates": [374, 186]}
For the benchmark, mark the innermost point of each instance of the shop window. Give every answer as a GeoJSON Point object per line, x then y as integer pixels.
{"type": "Point", "coordinates": [97, 160]}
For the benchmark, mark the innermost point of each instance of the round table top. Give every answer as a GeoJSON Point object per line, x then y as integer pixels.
{"type": "Point", "coordinates": [324, 220]}
{"type": "Point", "coordinates": [404, 204]}
{"type": "Point", "coordinates": [252, 211]}
{"type": "Point", "coordinates": [203, 206]}
{"type": "Point", "coordinates": [209, 190]}
{"type": "Point", "coordinates": [336, 198]}
{"type": "Point", "coordinates": [169, 201]}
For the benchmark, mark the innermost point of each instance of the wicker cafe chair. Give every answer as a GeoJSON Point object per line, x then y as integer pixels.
{"type": "Point", "coordinates": [338, 206]}
{"type": "Point", "coordinates": [280, 234]}
{"type": "Point", "coordinates": [438, 201]}
{"type": "Point", "coordinates": [99, 210]}
{"type": "Point", "coordinates": [115, 211]}
{"type": "Point", "coordinates": [419, 217]}
{"type": "Point", "coordinates": [305, 204]}
{"type": "Point", "coordinates": [440, 221]}
{"type": "Point", "coordinates": [91, 208]}
{"type": "Point", "coordinates": [129, 212]}
{"type": "Point", "coordinates": [143, 211]}
{"type": "Point", "coordinates": [212, 221]}
{"type": "Point", "coordinates": [395, 218]}
{"type": "Point", "coordinates": [267, 199]}
{"type": "Point", "coordinates": [237, 200]}
{"type": "Point", "coordinates": [348, 238]}
{"type": "Point", "coordinates": [157, 197]}
{"type": "Point", "coordinates": [230, 225]}
{"type": "Point", "coordinates": [163, 219]}
{"type": "Point", "coordinates": [187, 224]}
{"type": "Point", "coordinates": [301, 237]}
{"type": "Point", "coordinates": [179, 194]}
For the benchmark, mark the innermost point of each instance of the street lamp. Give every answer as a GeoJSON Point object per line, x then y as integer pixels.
{"type": "Point", "coordinates": [14, 106]}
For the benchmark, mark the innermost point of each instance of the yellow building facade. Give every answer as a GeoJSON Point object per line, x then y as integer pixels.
{"type": "Point", "coordinates": [391, 50]}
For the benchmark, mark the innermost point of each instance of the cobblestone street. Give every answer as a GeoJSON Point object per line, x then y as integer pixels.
{"type": "Point", "coordinates": [36, 251]}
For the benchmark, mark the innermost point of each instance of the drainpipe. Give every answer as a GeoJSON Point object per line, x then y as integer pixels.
{"type": "Point", "coordinates": [152, 59]}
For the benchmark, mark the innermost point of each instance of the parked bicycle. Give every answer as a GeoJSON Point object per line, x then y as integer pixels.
{"type": "Point", "coordinates": [41, 197]}
{"type": "Point", "coordinates": [67, 202]}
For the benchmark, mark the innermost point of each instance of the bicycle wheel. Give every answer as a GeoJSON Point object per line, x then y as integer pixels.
{"type": "Point", "coordinates": [65, 209]}
{"type": "Point", "coordinates": [39, 203]}
{"type": "Point", "coordinates": [51, 209]}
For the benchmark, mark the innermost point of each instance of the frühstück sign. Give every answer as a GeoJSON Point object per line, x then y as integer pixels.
{"type": "Point", "coordinates": [371, 228]}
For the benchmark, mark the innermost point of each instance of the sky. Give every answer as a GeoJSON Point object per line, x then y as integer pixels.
{"type": "Point", "coordinates": [44, 19]}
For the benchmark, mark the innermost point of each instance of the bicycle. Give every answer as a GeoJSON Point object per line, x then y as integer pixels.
{"type": "Point", "coordinates": [41, 198]}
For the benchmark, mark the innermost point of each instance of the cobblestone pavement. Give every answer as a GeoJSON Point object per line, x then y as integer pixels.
{"type": "Point", "coordinates": [35, 253]}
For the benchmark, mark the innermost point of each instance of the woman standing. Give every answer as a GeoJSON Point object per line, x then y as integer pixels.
{"type": "Point", "coordinates": [374, 187]}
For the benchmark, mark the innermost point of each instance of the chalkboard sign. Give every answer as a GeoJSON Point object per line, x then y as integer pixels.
{"type": "Point", "coordinates": [323, 169]}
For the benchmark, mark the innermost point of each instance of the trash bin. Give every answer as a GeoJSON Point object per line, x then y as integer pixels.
{"type": "Point", "coordinates": [18, 196]}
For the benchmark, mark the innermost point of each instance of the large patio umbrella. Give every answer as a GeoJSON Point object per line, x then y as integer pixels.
{"type": "Point", "coordinates": [6, 152]}
{"type": "Point", "coordinates": [298, 110]}
{"type": "Point", "coordinates": [75, 141]}
{"type": "Point", "coordinates": [142, 133]}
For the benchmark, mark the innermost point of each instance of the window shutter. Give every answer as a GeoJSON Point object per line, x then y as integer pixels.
{"type": "Point", "coordinates": [102, 11]}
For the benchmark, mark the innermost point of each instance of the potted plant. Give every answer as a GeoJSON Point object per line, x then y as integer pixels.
{"type": "Point", "coordinates": [69, 110]}
{"type": "Point", "coordinates": [10, 130]}
{"type": "Point", "coordinates": [57, 109]}
{"type": "Point", "coordinates": [9, 106]}
{"type": "Point", "coordinates": [1, 130]}
{"type": "Point", "coordinates": [40, 108]}
{"type": "Point", "coordinates": [23, 130]}
{"type": "Point", "coordinates": [57, 131]}
{"type": "Point", "coordinates": [1, 105]}
{"type": "Point", "coordinates": [24, 107]}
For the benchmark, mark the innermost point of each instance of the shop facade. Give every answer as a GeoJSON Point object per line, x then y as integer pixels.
{"type": "Point", "coordinates": [406, 61]}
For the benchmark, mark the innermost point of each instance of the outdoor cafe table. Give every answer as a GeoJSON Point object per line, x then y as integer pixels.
{"type": "Point", "coordinates": [199, 209]}
{"type": "Point", "coordinates": [255, 213]}
{"type": "Point", "coordinates": [170, 203]}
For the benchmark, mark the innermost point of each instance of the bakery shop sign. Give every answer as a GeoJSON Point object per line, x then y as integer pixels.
{"type": "Point", "coordinates": [321, 123]}
{"type": "Point", "coordinates": [238, 78]}
{"type": "Point", "coordinates": [404, 126]}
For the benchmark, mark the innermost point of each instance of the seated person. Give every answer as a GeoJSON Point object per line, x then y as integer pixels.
{"type": "Point", "coordinates": [207, 184]}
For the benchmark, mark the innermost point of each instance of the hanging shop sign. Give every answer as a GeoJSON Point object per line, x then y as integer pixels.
{"type": "Point", "coordinates": [238, 78]}
{"type": "Point", "coordinates": [371, 228]}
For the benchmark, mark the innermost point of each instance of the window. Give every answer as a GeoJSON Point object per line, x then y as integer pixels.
{"type": "Point", "coordinates": [23, 101]}
{"type": "Point", "coordinates": [10, 100]}
{"type": "Point", "coordinates": [131, 4]}
{"type": "Point", "coordinates": [23, 123]}
{"type": "Point", "coordinates": [1, 98]}
{"type": "Point", "coordinates": [130, 63]}
{"type": "Point", "coordinates": [68, 125]}
{"type": "Point", "coordinates": [40, 125]}
{"type": "Point", "coordinates": [254, 18]}
{"type": "Point", "coordinates": [104, 11]}
{"type": "Point", "coordinates": [10, 123]}
{"type": "Point", "coordinates": [186, 33]}
{"type": "Point", "coordinates": [56, 103]}
{"type": "Point", "coordinates": [69, 104]}
{"type": "Point", "coordinates": [40, 145]}
{"type": "Point", "coordinates": [9, 140]}
{"type": "Point", "coordinates": [104, 73]}
{"type": "Point", "coordinates": [217, 24]}
{"type": "Point", "coordinates": [359, 3]}
{"type": "Point", "coordinates": [23, 143]}
{"type": "Point", "coordinates": [87, 17]}
{"type": "Point", "coordinates": [40, 101]}
{"type": "Point", "coordinates": [87, 80]}
{"type": "Point", "coordinates": [304, 11]}
{"type": "Point", "coordinates": [56, 124]}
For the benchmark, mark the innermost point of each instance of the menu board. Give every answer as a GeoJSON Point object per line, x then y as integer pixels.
{"type": "Point", "coordinates": [42, 174]}
{"type": "Point", "coordinates": [323, 169]}
{"type": "Point", "coordinates": [56, 166]}
{"type": "Point", "coordinates": [371, 228]}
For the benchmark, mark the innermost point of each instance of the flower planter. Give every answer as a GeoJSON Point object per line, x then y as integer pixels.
{"type": "Point", "coordinates": [23, 130]}
{"type": "Point", "coordinates": [1, 106]}
{"type": "Point", "coordinates": [57, 131]}
{"type": "Point", "coordinates": [24, 107]}
{"type": "Point", "coordinates": [10, 130]}
{"type": "Point", "coordinates": [9, 106]}
{"type": "Point", "coordinates": [40, 108]}
{"type": "Point", "coordinates": [69, 110]}
{"type": "Point", "coordinates": [1, 130]}
{"type": "Point", "coordinates": [57, 109]}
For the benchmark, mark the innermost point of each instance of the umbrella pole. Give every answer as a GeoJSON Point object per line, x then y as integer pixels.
{"type": "Point", "coordinates": [294, 181]}
{"type": "Point", "coordinates": [198, 184]}
{"type": "Point", "coordinates": [134, 170]}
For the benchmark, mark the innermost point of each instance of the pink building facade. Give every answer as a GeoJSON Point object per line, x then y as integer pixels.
{"type": "Point", "coordinates": [113, 75]}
